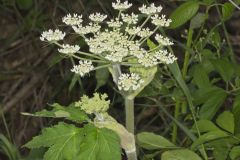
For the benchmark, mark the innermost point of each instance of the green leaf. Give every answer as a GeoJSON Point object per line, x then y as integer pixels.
{"type": "Point", "coordinates": [24, 4]}
{"type": "Point", "coordinates": [236, 113]}
{"type": "Point", "coordinates": [200, 76]}
{"type": "Point", "coordinates": [183, 13]}
{"type": "Point", "coordinates": [198, 20]}
{"type": "Point", "coordinates": [207, 137]}
{"type": "Point", "coordinates": [181, 154]}
{"type": "Point", "coordinates": [224, 68]}
{"type": "Point", "coordinates": [222, 147]}
{"type": "Point", "coordinates": [101, 77]}
{"type": "Point", "coordinates": [152, 141]}
{"type": "Point", "coordinates": [235, 153]}
{"type": "Point", "coordinates": [71, 113]}
{"type": "Point", "coordinates": [99, 144]}
{"type": "Point", "coordinates": [63, 141]}
{"type": "Point", "coordinates": [205, 126]}
{"type": "Point", "coordinates": [227, 10]}
{"type": "Point", "coordinates": [226, 121]}
{"type": "Point", "coordinates": [212, 98]}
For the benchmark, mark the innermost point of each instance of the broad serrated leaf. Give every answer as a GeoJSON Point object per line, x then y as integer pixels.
{"type": "Point", "coordinates": [99, 144]}
{"type": "Point", "coordinates": [226, 121]}
{"type": "Point", "coordinates": [63, 141]}
{"type": "Point", "coordinates": [58, 111]}
{"type": "Point", "coordinates": [207, 137]}
{"type": "Point", "coordinates": [153, 141]}
{"type": "Point", "coordinates": [181, 154]}
{"type": "Point", "coordinates": [183, 13]}
{"type": "Point", "coordinates": [205, 125]}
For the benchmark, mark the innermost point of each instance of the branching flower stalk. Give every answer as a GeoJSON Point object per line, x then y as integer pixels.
{"type": "Point", "coordinates": [121, 46]}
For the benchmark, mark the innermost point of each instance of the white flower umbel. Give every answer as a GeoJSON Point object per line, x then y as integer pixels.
{"type": "Point", "coordinates": [97, 17]}
{"type": "Point", "coordinates": [145, 32]}
{"type": "Point", "coordinates": [147, 60]}
{"type": "Point", "coordinates": [133, 30]}
{"type": "Point", "coordinates": [121, 6]}
{"type": "Point", "coordinates": [129, 82]}
{"type": "Point", "coordinates": [164, 57]}
{"type": "Point", "coordinates": [52, 36]}
{"type": "Point", "coordinates": [130, 19]}
{"type": "Point", "coordinates": [115, 23]}
{"type": "Point", "coordinates": [161, 20]}
{"type": "Point", "coordinates": [152, 9]}
{"type": "Point", "coordinates": [163, 41]}
{"type": "Point", "coordinates": [72, 20]}
{"type": "Point", "coordinates": [83, 67]}
{"type": "Point", "coordinates": [110, 44]}
{"type": "Point", "coordinates": [68, 49]}
{"type": "Point", "coordinates": [91, 28]}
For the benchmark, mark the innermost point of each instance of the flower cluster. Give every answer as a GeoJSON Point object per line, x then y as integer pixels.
{"type": "Point", "coordinates": [152, 9]}
{"type": "Point", "coordinates": [52, 36]}
{"type": "Point", "coordinates": [97, 17]}
{"type": "Point", "coordinates": [121, 6]}
{"type": "Point", "coordinates": [72, 20]}
{"type": "Point", "coordinates": [129, 82]}
{"type": "Point", "coordinates": [68, 49]}
{"type": "Point", "coordinates": [97, 104]}
{"type": "Point", "coordinates": [122, 42]}
{"type": "Point", "coordinates": [83, 67]}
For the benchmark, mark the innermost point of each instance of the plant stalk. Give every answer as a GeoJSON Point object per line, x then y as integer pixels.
{"type": "Point", "coordinates": [129, 111]}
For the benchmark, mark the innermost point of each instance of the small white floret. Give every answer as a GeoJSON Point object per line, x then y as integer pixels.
{"type": "Point", "coordinates": [160, 20]}
{"type": "Point", "coordinates": [72, 20]}
{"type": "Point", "coordinates": [121, 6]}
{"type": "Point", "coordinates": [97, 17]}
{"type": "Point", "coordinates": [129, 82]}
{"type": "Point", "coordinates": [152, 9]}
{"type": "Point", "coordinates": [69, 49]}
{"type": "Point", "coordinates": [52, 36]}
{"type": "Point", "coordinates": [83, 67]}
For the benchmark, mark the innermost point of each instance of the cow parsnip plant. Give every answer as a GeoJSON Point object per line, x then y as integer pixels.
{"type": "Point", "coordinates": [121, 44]}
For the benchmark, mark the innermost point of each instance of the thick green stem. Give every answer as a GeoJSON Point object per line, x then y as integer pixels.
{"type": "Point", "coordinates": [129, 110]}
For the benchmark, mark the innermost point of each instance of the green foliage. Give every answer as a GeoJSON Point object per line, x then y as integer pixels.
{"type": "Point", "coordinates": [66, 141]}
{"type": "Point", "coordinates": [8, 149]}
{"type": "Point", "coordinates": [184, 13]}
{"type": "Point", "coordinates": [70, 112]}
{"type": "Point", "coordinates": [181, 154]}
{"type": "Point", "coordinates": [24, 4]}
{"type": "Point", "coordinates": [211, 99]}
{"type": "Point", "coordinates": [209, 136]}
{"type": "Point", "coordinates": [226, 121]}
{"type": "Point", "coordinates": [227, 10]}
{"type": "Point", "coordinates": [152, 141]}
